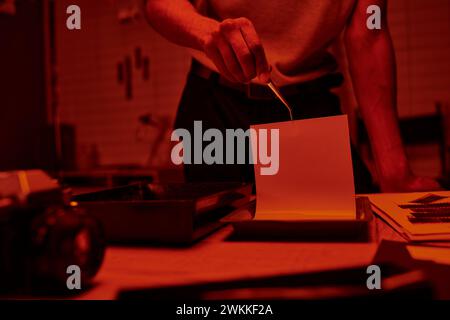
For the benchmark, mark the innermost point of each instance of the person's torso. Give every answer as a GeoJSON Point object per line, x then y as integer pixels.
{"type": "Point", "coordinates": [296, 34]}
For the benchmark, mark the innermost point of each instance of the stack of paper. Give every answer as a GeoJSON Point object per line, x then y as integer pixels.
{"type": "Point", "coordinates": [416, 216]}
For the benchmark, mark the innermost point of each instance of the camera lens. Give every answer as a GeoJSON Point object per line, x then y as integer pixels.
{"type": "Point", "coordinates": [64, 237]}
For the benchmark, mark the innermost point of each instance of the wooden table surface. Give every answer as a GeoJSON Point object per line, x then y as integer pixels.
{"type": "Point", "coordinates": [216, 258]}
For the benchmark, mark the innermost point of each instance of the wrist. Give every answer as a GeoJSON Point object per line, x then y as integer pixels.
{"type": "Point", "coordinates": [396, 182]}
{"type": "Point", "coordinates": [392, 163]}
{"type": "Point", "coordinates": [205, 31]}
{"type": "Point", "coordinates": [397, 173]}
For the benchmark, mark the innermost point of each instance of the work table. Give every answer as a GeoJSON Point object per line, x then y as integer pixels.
{"type": "Point", "coordinates": [217, 258]}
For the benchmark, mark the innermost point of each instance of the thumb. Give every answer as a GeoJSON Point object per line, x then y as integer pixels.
{"type": "Point", "coordinates": [265, 76]}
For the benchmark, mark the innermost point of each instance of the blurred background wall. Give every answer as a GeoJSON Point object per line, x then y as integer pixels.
{"type": "Point", "coordinates": [421, 34]}
{"type": "Point", "coordinates": [23, 112]}
{"type": "Point", "coordinates": [111, 73]}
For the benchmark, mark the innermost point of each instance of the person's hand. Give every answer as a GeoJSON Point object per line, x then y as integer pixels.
{"type": "Point", "coordinates": [235, 48]}
{"type": "Point", "coordinates": [411, 183]}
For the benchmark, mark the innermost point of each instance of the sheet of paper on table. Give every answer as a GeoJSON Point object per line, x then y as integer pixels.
{"type": "Point", "coordinates": [315, 177]}
{"type": "Point", "coordinates": [428, 253]}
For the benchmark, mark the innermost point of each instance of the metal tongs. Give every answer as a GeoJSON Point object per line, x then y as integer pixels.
{"type": "Point", "coordinates": [280, 97]}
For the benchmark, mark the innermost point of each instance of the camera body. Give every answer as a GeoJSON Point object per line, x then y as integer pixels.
{"type": "Point", "coordinates": [42, 234]}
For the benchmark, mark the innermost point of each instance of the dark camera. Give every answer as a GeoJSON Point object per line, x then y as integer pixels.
{"type": "Point", "coordinates": [43, 235]}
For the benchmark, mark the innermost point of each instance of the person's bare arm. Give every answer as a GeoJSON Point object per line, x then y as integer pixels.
{"type": "Point", "coordinates": [233, 44]}
{"type": "Point", "coordinates": [373, 71]}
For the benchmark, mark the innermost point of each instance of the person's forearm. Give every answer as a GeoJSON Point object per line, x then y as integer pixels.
{"type": "Point", "coordinates": [179, 22]}
{"type": "Point", "coordinates": [373, 70]}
